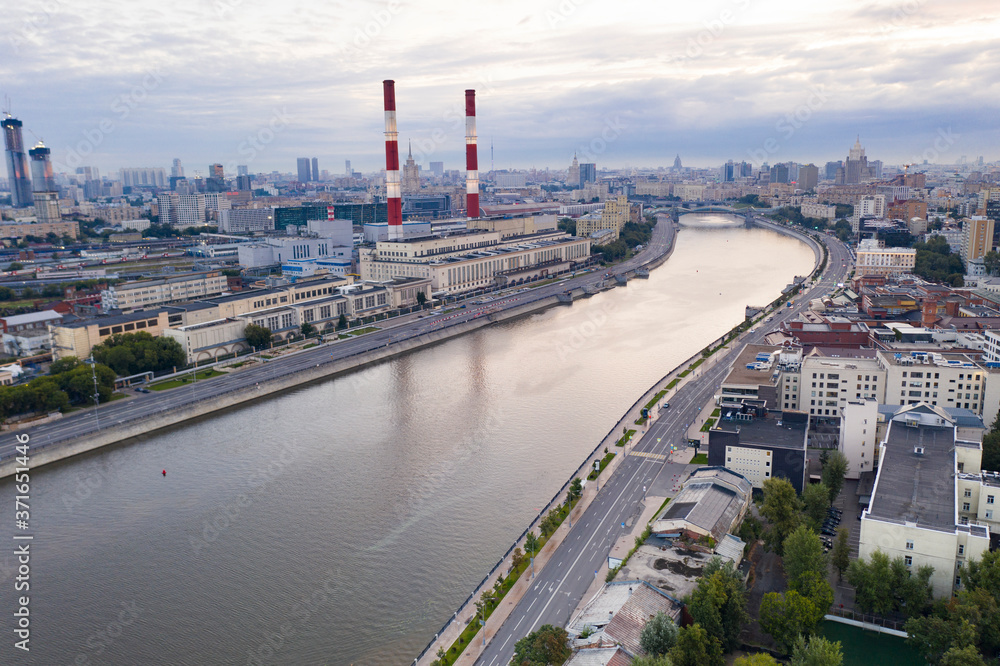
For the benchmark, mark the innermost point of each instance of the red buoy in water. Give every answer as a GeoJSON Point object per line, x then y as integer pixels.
{"type": "Point", "coordinates": [164, 472]}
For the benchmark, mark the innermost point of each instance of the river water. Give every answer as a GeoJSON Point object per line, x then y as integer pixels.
{"type": "Point", "coordinates": [343, 522]}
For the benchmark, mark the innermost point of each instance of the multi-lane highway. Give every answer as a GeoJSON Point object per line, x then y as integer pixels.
{"type": "Point", "coordinates": [559, 587]}
{"type": "Point", "coordinates": [141, 406]}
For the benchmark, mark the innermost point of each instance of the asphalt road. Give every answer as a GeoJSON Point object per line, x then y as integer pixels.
{"type": "Point", "coordinates": [559, 587]}
{"type": "Point", "coordinates": [141, 406]}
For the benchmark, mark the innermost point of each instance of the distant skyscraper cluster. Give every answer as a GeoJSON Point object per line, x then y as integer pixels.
{"type": "Point", "coordinates": [308, 169]}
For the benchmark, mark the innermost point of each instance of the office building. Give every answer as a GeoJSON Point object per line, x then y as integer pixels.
{"type": "Point", "coordinates": [177, 171]}
{"type": "Point", "coordinates": [44, 191]}
{"type": "Point", "coordinates": [612, 218]}
{"type": "Point", "coordinates": [822, 211]}
{"type": "Point", "coordinates": [182, 210]}
{"type": "Point", "coordinates": [246, 220]}
{"type": "Point", "coordinates": [347, 168]}
{"type": "Point", "coordinates": [244, 183]}
{"type": "Point", "coordinates": [868, 206]}
{"type": "Point", "coordinates": [17, 230]}
{"type": "Point", "coordinates": [759, 445]}
{"type": "Point", "coordinates": [588, 174]}
{"type": "Point", "coordinates": [315, 169]}
{"type": "Point", "coordinates": [929, 475]}
{"type": "Point", "coordinates": [304, 169]}
{"type": "Point", "coordinates": [779, 173]}
{"type": "Point", "coordinates": [272, 251]}
{"type": "Point", "coordinates": [856, 166]}
{"type": "Point", "coordinates": [945, 379]}
{"type": "Point", "coordinates": [829, 383]}
{"type": "Point", "coordinates": [17, 164]}
{"type": "Point", "coordinates": [830, 171]}
{"type": "Point", "coordinates": [144, 177]}
{"type": "Point", "coordinates": [131, 296]}
{"type": "Point", "coordinates": [437, 168]}
{"type": "Point", "coordinates": [808, 177]}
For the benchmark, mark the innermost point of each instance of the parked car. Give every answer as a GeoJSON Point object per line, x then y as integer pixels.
{"type": "Point", "coordinates": [142, 389]}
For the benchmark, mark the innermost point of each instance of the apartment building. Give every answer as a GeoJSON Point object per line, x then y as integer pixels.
{"type": "Point", "coordinates": [874, 259]}
{"type": "Point", "coordinates": [948, 380]}
{"type": "Point", "coordinates": [829, 383]}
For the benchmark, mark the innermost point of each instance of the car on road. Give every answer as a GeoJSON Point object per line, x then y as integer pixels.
{"type": "Point", "coordinates": [142, 389]}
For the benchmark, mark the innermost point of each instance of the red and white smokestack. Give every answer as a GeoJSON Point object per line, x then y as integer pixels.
{"type": "Point", "coordinates": [392, 189]}
{"type": "Point", "coordinates": [471, 157]}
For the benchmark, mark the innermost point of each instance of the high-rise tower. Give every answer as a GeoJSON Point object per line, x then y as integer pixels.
{"type": "Point", "coordinates": [17, 163]}
{"type": "Point", "coordinates": [44, 191]}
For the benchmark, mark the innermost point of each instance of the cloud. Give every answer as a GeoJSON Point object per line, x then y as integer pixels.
{"type": "Point", "coordinates": [704, 80]}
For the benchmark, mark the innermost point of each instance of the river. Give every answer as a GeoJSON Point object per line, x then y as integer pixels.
{"type": "Point", "coordinates": [344, 521]}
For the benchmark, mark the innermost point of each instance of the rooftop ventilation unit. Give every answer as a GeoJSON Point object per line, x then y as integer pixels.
{"type": "Point", "coordinates": [919, 450]}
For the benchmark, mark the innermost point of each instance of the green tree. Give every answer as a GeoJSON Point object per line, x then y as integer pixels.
{"type": "Point", "coordinates": [840, 556]}
{"type": "Point", "coordinates": [132, 353]}
{"type": "Point", "coordinates": [516, 558]}
{"type": "Point", "coordinates": [575, 490]}
{"type": "Point", "coordinates": [759, 659]}
{"type": "Point", "coordinates": [342, 322]}
{"type": "Point", "coordinates": [63, 365]}
{"type": "Point", "coordinates": [991, 261]}
{"type": "Point", "coordinates": [546, 646]}
{"type": "Point", "coordinates": [650, 660]}
{"type": "Point", "coordinates": [991, 447]}
{"type": "Point", "coordinates": [658, 635]}
{"type": "Point", "coordinates": [966, 656]}
{"type": "Point", "coordinates": [803, 554]}
{"type": "Point", "coordinates": [15, 266]}
{"type": "Point", "coordinates": [718, 603]}
{"type": "Point", "coordinates": [307, 330]}
{"type": "Point", "coordinates": [549, 523]}
{"type": "Point", "coordinates": [258, 337]}
{"type": "Point", "coordinates": [7, 294]}
{"type": "Point", "coordinates": [696, 647]}
{"type": "Point", "coordinates": [781, 509]}
{"type": "Point", "coordinates": [421, 298]}
{"type": "Point", "coordinates": [815, 501]}
{"type": "Point", "coordinates": [834, 472]}
{"type": "Point", "coordinates": [816, 651]}
{"type": "Point", "coordinates": [531, 544]}
{"type": "Point", "coordinates": [787, 616]}
{"type": "Point", "coordinates": [883, 586]}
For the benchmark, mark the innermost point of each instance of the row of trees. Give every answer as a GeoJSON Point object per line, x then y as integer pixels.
{"type": "Point", "coordinates": [70, 382]}
{"type": "Point", "coordinates": [632, 234]}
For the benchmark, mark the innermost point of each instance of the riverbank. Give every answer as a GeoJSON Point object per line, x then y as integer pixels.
{"type": "Point", "coordinates": [663, 390]}
{"type": "Point", "coordinates": [120, 431]}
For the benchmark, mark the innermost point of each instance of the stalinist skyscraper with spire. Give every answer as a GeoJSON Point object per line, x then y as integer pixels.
{"type": "Point", "coordinates": [573, 173]}
{"type": "Point", "coordinates": [856, 166]}
{"type": "Point", "coordinates": [411, 174]}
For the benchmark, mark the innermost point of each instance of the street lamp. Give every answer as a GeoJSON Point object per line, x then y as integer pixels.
{"type": "Point", "coordinates": [97, 394]}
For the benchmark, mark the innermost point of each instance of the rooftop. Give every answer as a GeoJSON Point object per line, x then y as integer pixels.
{"type": "Point", "coordinates": [908, 488]}
{"type": "Point", "coordinates": [113, 320]}
{"type": "Point", "coordinates": [742, 375]}
{"type": "Point", "coordinates": [32, 318]}
{"type": "Point", "coordinates": [612, 656]}
{"type": "Point", "coordinates": [771, 430]}
{"type": "Point", "coordinates": [712, 499]}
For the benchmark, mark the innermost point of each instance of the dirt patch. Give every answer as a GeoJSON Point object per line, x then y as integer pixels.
{"type": "Point", "coordinates": [677, 567]}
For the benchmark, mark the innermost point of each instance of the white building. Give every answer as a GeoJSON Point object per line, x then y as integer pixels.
{"type": "Point", "coordinates": [182, 210]}
{"type": "Point", "coordinates": [246, 220]}
{"type": "Point", "coordinates": [927, 464]}
{"type": "Point", "coordinates": [859, 436]}
{"type": "Point", "coordinates": [274, 251]}
{"type": "Point", "coordinates": [945, 379]}
{"type": "Point", "coordinates": [829, 384]}
{"type": "Point", "coordinates": [873, 259]}
{"type": "Point", "coordinates": [869, 205]}
{"type": "Point", "coordinates": [822, 211]}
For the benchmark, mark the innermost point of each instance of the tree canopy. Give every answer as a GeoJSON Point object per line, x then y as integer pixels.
{"type": "Point", "coordinates": [658, 635]}
{"type": "Point", "coordinates": [696, 647]}
{"type": "Point", "coordinates": [719, 602]}
{"type": "Point", "coordinates": [885, 586]}
{"type": "Point", "coordinates": [548, 645]}
{"type": "Point", "coordinates": [781, 509]}
{"type": "Point", "coordinates": [132, 353]}
{"type": "Point", "coordinates": [936, 262]}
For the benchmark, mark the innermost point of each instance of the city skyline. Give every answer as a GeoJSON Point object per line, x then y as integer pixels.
{"type": "Point", "coordinates": [731, 81]}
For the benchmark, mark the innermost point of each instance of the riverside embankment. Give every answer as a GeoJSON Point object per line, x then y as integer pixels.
{"type": "Point", "coordinates": [72, 436]}
{"type": "Point", "coordinates": [406, 480]}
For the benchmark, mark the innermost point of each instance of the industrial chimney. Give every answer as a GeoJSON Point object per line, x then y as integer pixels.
{"type": "Point", "coordinates": [471, 157]}
{"type": "Point", "coordinates": [392, 189]}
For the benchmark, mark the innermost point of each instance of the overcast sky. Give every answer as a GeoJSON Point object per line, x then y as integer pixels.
{"type": "Point", "coordinates": [622, 83]}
